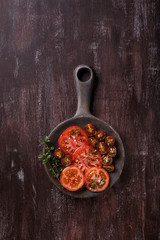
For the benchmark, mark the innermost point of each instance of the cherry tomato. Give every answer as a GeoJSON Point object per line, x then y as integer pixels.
{"type": "Point", "coordinates": [102, 147]}
{"type": "Point", "coordinates": [86, 157]}
{"type": "Point", "coordinates": [96, 179]}
{"type": "Point", "coordinates": [90, 129]}
{"type": "Point", "coordinates": [112, 151]}
{"type": "Point", "coordinates": [109, 168]}
{"type": "Point", "coordinates": [58, 153]}
{"type": "Point", "coordinates": [72, 178]}
{"type": "Point", "coordinates": [71, 139]}
{"type": "Point", "coordinates": [109, 140]}
{"type": "Point", "coordinates": [66, 161]}
{"type": "Point", "coordinates": [106, 160]}
{"type": "Point", "coordinates": [100, 135]}
{"type": "Point", "coordinates": [93, 142]}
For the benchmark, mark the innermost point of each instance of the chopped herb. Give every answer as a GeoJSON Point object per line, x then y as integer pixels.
{"type": "Point", "coordinates": [94, 184]}
{"type": "Point", "coordinates": [88, 159]}
{"type": "Point", "coordinates": [93, 151]}
{"type": "Point", "coordinates": [74, 132]}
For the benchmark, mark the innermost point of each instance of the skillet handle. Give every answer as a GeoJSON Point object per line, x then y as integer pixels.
{"type": "Point", "coordinates": [84, 89]}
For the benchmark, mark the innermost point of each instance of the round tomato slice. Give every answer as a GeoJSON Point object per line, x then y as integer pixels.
{"type": "Point", "coordinates": [86, 157]}
{"type": "Point", "coordinates": [96, 179]}
{"type": "Point", "coordinates": [72, 178]}
{"type": "Point", "coordinates": [71, 139]}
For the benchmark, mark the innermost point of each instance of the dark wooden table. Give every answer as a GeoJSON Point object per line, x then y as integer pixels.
{"type": "Point", "coordinates": [41, 42]}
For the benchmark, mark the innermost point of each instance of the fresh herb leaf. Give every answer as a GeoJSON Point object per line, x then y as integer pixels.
{"type": "Point", "coordinates": [88, 159]}
{"type": "Point", "coordinates": [53, 164]}
{"type": "Point", "coordinates": [74, 132]}
{"type": "Point", "coordinates": [93, 151]}
{"type": "Point", "coordinates": [94, 184]}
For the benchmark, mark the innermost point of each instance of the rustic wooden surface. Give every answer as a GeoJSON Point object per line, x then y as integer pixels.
{"type": "Point", "coordinates": [41, 42]}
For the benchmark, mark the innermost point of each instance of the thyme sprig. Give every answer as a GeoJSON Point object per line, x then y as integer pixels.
{"type": "Point", "coordinates": [53, 164]}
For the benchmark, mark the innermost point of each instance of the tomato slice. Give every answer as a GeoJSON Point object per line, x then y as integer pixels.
{"type": "Point", "coordinates": [71, 139]}
{"type": "Point", "coordinates": [90, 129]}
{"type": "Point", "coordinates": [86, 157]}
{"type": "Point", "coordinates": [72, 178]}
{"type": "Point", "coordinates": [96, 179]}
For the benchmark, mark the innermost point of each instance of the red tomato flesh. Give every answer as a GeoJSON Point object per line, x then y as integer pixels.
{"type": "Point", "coordinates": [96, 179]}
{"type": "Point", "coordinates": [72, 178]}
{"type": "Point", "coordinates": [86, 157]}
{"type": "Point", "coordinates": [71, 139]}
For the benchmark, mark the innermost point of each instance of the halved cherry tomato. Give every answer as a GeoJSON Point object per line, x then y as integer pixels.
{"type": "Point", "coordinates": [58, 153]}
{"type": "Point", "coordinates": [90, 129]}
{"type": "Point", "coordinates": [112, 151]}
{"type": "Point", "coordinates": [96, 179]}
{"type": "Point", "coordinates": [86, 157]}
{"type": "Point", "coordinates": [109, 168]}
{"type": "Point", "coordinates": [109, 140]}
{"type": "Point", "coordinates": [106, 160]}
{"type": "Point", "coordinates": [72, 178]}
{"type": "Point", "coordinates": [66, 161]}
{"type": "Point", "coordinates": [100, 135]}
{"type": "Point", "coordinates": [102, 147]}
{"type": "Point", "coordinates": [93, 142]}
{"type": "Point", "coordinates": [71, 139]}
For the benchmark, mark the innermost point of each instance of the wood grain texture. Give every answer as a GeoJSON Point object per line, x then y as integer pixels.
{"type": "Point", "coordinates": [41, 42]}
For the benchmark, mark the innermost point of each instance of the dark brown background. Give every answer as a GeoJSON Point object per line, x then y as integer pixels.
{"type": "Point", "coordinates": [41, 42]}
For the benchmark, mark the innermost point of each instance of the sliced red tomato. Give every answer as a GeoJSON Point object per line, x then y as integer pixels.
{"type": "Point", "coordinates": [58, 153]}
{"type": "Point", "coordinates": [66, 161]}
{"type": "Point", "coordinates": [112, 151]}
{"type": "Point", "coordinates": [72, 178]}
{"type": "Point", "coordinates": [100, 135]}
{"type": "Point", "coordinates": [109, 168]}
{"type": "Point", "coordinates": [102, 147]}
{"type": "Point", "coordinates": [109, 140]}
{"type": "Point", "coordinates": [90, 129]}
{"type": "Point", "coordinates": [71, 139]}
{"type": "Point", "coordinates": [86, 157]}
{"type": "Point", "coordinates": [96, 179]}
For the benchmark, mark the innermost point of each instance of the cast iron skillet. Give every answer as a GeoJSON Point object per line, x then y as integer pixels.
{"type": "Point", "coordinates": [81, 118]}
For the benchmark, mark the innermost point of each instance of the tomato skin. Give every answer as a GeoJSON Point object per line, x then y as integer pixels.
{"type": "Point", "coordinates": [71, 139]}
{"type": "Point", "coordinates": [109, 140]}
{"type": "Point", "coordinates": [100, 135]}
{"type": "Point", "coordinates": [58, 154]}
{"type": "Point", "coordinates": [90, 129]}
{"type": "Point", "coordinates": [102, 148]}
{"type": "Point", "coordinates": [86, 157]}
{"type": "Point", "coordinates": [69, 177]}
{"type": "Point", "coordinates": [96, 179]}
{"type": "Point", "coordinates": [109, 168]}
{"type": "Point", "coordinates": [112, 151]}
{"type": "Point", "coordinates": [66, 161]}
{"type": "Point", "coordinates": [93, 142]}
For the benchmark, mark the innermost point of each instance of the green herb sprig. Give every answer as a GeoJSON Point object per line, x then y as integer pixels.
{"type": "Point", "coordinates": [54, 165]}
